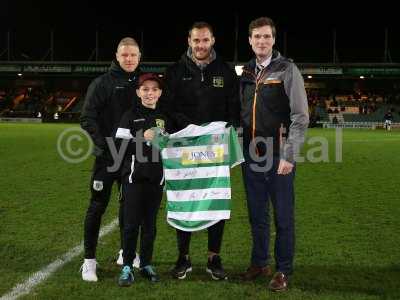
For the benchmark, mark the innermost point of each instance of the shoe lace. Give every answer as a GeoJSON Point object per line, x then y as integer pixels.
{"type": "Point", "coordinates": [126, 272]}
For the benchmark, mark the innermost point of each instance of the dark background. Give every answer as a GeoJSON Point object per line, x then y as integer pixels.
{"type": "Point", "coordinates": [309, 29]}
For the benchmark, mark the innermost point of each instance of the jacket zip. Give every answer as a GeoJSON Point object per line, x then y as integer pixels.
{"type": "Point", "coordinates": [253, 132]}
{"type": "Point", "coordinates": [280, 137]}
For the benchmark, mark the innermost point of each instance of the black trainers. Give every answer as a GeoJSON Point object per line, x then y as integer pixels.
{"type": "Point", "coordinates": [149, 273]}
{"type": "Point", "coordinates": [182, 266]}
{"type": "Point", "coordinates": [215, 269]}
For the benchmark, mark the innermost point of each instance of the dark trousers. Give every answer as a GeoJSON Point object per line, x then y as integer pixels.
{"type": "Point", "coordinates": [261, 189]}
{"type": "Point", "coordinates": [141, 205]}
{"type": "Point", "coordinates": [215, 233]}
{"type": "Point", "coordinates": [101, 186]}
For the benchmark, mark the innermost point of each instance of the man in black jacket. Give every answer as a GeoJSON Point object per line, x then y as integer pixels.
{"type": "Point", "coordinates": [107, 98]}
{"type": "Point", "coordinates": [201, 88]}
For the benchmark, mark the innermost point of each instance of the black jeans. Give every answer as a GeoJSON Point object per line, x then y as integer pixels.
{"type": "Point", "coordinates": [215, 233]}
{"type": "Point", "coordinates": [141, 205]}
{"type": "Point", "coordinates": [101, 186]}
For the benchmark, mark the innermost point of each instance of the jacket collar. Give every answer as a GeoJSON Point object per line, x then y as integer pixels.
{"type": "Point", "coordinates": [117, 71]}
{"type": "Point", "coordinates": [145, 110]}
{"type": "Point", "coordinates": [249, 68]}
{"type": "Point", "coordinates": [188, 61]}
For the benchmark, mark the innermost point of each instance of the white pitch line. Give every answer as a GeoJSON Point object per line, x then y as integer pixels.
{"type": "Point", "coordinates": [373, 141]}
{"type": "Point", "coordinates": [40, 276]}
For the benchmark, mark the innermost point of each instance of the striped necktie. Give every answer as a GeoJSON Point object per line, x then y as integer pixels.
{"type": "Point", "coordinates": [259, 69]}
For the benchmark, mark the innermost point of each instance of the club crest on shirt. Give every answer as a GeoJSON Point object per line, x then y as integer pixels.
{"type": "Point", "coordinates": [160, 123]}
{"type": "Point", "coordinates": [216, 138]}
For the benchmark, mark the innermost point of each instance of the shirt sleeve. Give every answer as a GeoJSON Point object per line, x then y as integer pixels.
{"type": "Point", "coordinates": [235, 151]}
{"type": "Point", "coordinates": [160, 140]}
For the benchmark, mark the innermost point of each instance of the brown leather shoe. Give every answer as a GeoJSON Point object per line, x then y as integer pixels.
{"type": "Point", "coordinates": [253, 272]}
{"type": "Point", "coordinates": [278, 283]}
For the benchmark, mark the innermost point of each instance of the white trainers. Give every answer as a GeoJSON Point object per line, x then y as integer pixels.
{"type": "Point", "coordinates": [136, 261]}
{"type": "Point", "coordinates": [89, 270]}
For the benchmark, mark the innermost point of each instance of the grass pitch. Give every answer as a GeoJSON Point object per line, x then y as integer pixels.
{"type": "Point", "coordinates": [347, 223]}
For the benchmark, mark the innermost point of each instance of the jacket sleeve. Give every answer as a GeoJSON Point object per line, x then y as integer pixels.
{"type": "Point", "coordinates": [94, 103]}
{"type": "Point", "coordinates": [124, 128]}
{"type": "Point", "coordinates": [233, 100]}
{"type": "Point", "coordinates": [170, 107]}
{"type": "Point", "coordinates": [294, 88]}
{"type": "Point", "coordinates": [170, 126]}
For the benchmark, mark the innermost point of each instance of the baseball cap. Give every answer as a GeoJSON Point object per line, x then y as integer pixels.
{"type": "Point", "coordinates": [150, 76]}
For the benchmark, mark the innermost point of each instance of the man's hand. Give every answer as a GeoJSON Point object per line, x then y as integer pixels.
{"type": "Point", "coordinates": [285, 167]}
{"type": "Point", "coordinates": [149, 135]}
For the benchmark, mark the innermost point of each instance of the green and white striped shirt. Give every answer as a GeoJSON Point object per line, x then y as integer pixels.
{"type": "Point", "coordinates": [197, 162]}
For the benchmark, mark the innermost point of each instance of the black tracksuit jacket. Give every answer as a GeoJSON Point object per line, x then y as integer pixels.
{"type": "Point", "coordinates": [197, 96]}
{"type": "Point", "coordinates": [108, 97]}
{"type": "Point", "coordinates": [139, 164]}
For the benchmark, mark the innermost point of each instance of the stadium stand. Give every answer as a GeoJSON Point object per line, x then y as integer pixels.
{"type": "Point", "coordinates": [335, 94]}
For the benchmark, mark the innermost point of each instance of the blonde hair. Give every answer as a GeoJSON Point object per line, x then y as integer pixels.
{"type": "Point", "coordinates": [127, 41]}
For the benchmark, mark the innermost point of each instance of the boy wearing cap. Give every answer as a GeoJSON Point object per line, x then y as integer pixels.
{"type": "Point", "coordinates": [142, 178]}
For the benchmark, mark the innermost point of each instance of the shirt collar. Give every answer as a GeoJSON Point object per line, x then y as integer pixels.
{"type": "Point", "coordinates": [265, 63]}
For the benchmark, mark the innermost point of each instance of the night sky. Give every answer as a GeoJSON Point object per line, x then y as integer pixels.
{"type": "Point", "coordinates": [360, 32]}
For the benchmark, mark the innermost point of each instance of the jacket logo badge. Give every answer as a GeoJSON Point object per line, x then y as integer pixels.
{"type": "Point", "coordinates": [97, 185]}
{"type": "Point", "coordinates": [272, 81]}
{"type": "Point", "coordinates": [218, 81]}
{"type": "Point", "coordinates": [160, 123]}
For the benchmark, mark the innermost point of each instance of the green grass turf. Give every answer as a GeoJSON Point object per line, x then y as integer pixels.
{"type": "Point", "coordinates": [347, 224]}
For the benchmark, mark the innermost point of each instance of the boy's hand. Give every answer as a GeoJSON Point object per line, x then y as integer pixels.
{"type": "Point", "coordinates": [149, 135]}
